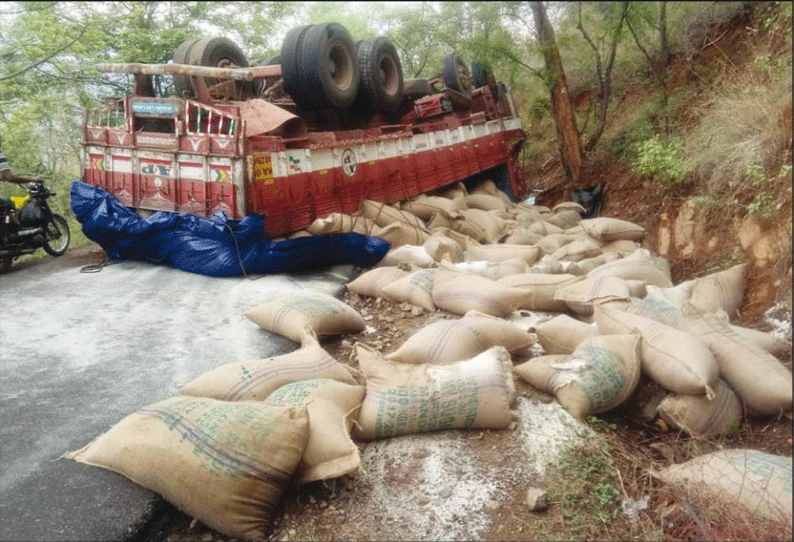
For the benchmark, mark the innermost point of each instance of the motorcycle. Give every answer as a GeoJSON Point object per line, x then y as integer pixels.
{"type": "Point", "coordinates": [34, 227]}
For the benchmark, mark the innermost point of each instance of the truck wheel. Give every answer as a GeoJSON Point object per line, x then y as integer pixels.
{"type": "Point", "coordinates": [218, 53]}
{"type": "Point", "coordinates": [456, 74]}
{"type": "Point", "coordinates": [182, 85]}
{"type": "Point", "coordinates": [291, 50]}
{"type": "Point", "coordinates": [329, 72]}
{"type": "Point", "coordinates": [381, 86]}
{"type": "Point", "coordinates": [261, 84]}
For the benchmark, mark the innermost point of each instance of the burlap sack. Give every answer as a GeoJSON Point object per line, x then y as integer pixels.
{"type": "Point", "coordinates": [651, 306]}
{"type": "Point", "coordinates": [491, 270]}
{"type": "Point", "coordinates": [612, 229]}
{"type": "Point", "coordinates": [551, 242]}
{"type": "Point", "coordinates": [548, 264]}
{"type": "Point", "coordinates": [369, 283]}
{"type": "Point", "coordinates": [461, 239]}
{"type": "Point", "coordinates": [676, 360]}
{"type": "Point", "coordinates": [288, 313]}
{"type": "Point", "coordinates": [439, 220]}
{"type": "Point", "coordinates": [561, 334]}
{"type": "Point", "coordinates": [721, 290]}
{"type": "Point", "coordinates": [400, 233]}
{"type": "Point", "coordinates": [565, 218]}
{"type": "Point", "coordinates": [757, 481]}
{"type": "Point", "coordinates": [457, 193]}
{"type": "Point", "coordinates": [520, 236]}
{"type": "Point", "coordinates": [701, 418]}
{"type": "Point", "coordinates": [524, 216]}
{"type": "Point", "coordinates": [487, 186]}
{"type": "Point", "coordinates": [569, 206]}
{"type": "Point", "coordinates": [404, 398]}
{"type": "Point", "coordinates": [543, 227]}
{"type": "Point", "coordinates": [637, 266]}
{"type": "Point", "coordinates": [384, 215]}
{"type": "Point", "coordinates": [577, 250]}
{"type": "Point", "coordinates": [677, 295]}
{"type": "Point", "coordinates": [341, 223]}
{"type": "Point", "coordinates": [486, 202]}
{"type": "Point", "coordinates": [760, 380]}
{"type": "Point", "coordinates": [460, 293]}
{"type": "Point", "coordinates": [500, 252]}
{"type": "Point", "coordinates": [470, 229]}
{"type": "Point", "coordinates": [425, 206]}
{"type": "Point", "coordinates": [224, 463]}
{"type": "Point", "coordinates": [255, 380]}
{"type": "Point", "coordinates": [440, 247]}
{"type": "Point", "coordinates": [488, 222]}
{"type": "Point", "coordinates": [585, 265]}
{"type": "Point", "coordinates": [598, 376]}
{"type": "Point", "coordinates": [541, 288]}
{"type": "Point", "coordinates": [447, 341]}
{"type": "Point", "coordinates": [332, 408]}
{"type": "Point", "coordinates": [621, 247]}
{"type": "Point", "coordinates": [415, 288]}
{"type": "Point", "coordinates": [763, 340]}
{"type": "Point", "coordinates": [409, 255]}
{"type": "Point", "coordinates": [582, 295]}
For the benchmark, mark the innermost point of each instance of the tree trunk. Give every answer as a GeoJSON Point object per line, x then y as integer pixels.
{"type": "Point", "coordinates": [567, 132]}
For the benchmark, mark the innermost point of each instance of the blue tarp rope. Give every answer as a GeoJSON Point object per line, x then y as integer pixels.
{"type": "Point", "coordinates": [216, 246]}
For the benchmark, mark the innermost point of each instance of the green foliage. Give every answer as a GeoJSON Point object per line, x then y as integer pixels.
{"type": "Point", "coordinates": [599, 425]}
{"type": "Point", "coordinates": [660, 158]}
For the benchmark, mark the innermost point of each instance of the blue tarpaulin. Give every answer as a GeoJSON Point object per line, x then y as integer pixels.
{"type": "Point", "coordinates": [217, 246]}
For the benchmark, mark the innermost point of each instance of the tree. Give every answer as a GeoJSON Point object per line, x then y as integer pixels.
{"type": "Point", "coordinates": [565, 120]}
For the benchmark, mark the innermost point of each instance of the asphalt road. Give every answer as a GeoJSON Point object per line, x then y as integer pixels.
{"type": "Point", "coordinates": [79, 351]}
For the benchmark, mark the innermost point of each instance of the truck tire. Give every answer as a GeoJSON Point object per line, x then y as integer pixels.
{"type": "Point", "coordinates": [182, 86]}
{"type": "Point", "coordinates": [218, 53]}
{"type": "Point", "coordinates": [455, 74]}
{"type": "Point", "coordinates": [291, 51]}
{"type": "Point", "coordinates": [381, 87]}
{"type": "Point", "coordinates": [329, 71]}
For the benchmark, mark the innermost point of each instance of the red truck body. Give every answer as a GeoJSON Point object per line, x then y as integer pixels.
{"type": "Point", "coordinates": [201, 156]}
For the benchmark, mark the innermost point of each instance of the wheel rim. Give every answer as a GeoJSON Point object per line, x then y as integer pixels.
{"type": "Point", "coordinates": [60, 237]}
{"type": "Point", "coordinates": [390, 79]}
{"type": "Point", "coordinates": [340, 68]}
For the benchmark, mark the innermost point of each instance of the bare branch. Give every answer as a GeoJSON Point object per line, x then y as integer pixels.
{"type": "Point", "coordinates": [46, 58]}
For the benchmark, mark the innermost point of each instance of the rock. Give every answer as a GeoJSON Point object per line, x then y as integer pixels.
{"type": "Point", "coordinates": [536, 499]}
{"type": "Point", "coordinates": [445, 493]}
{"type": "Point", "coordinates": [417, 311]}
{"type": "Point", "coordinates": [423, 500]}
{"type": "Point", "coordinates": [421, 453]}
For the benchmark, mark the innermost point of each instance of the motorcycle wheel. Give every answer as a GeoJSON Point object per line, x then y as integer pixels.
{"type": "Point", "coordinates": [57, 236]}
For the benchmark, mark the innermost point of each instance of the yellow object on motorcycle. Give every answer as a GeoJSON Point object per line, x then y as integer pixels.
{"type": "Point", "coordinates": [19, 201]}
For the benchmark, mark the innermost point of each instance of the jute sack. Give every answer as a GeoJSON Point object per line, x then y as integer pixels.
{"type": "Point", "coordinates": [500, 252]}
{"type": "Point", "coordinates": [565, 218]}
{"type": "Point", "coordinates": [757, 481]}
{"type": "Point", "coordinates": [551, 242]}
{"type": "Point", "coordinates": [491, 270]}
{"type": "Point", "coordinates": [541, 288]}
{"type": "Point", "coordinates": [547, 264]}
{"type": "Point", "coordinates": [332, 408]}
{"type": "Point", "coordinates": [678, 361]}
{"type": "Point", "coordinates": [400, 233]}
{"type": "Point", "coordinates": [581, 295]}
{"type": "Point", "coordinates": [288, 313]}
{"type": "Point", "coordinates": [543, 227]}
{"type": "Point", "coordinates": [439, 220]}
{"type": "Point", "coordinates": [486, 202]}
{"type": "Point", "coordinates": [404, 398]}
{"type": "Point", "coordinates": [255, 380]}
{"type": "Point", "coordinates": [520, 236]}
{"type": "Point", "coordinates": [562, 334]}
{"type": "Point", "coordinates": [409, 255]}
{"type": "Point", "coordinates": [461, 239]}
{"type": "Point", "coordinates": [384, 215]}
{"type": "Point", "coordinates": [577, 250]}
{"type": "Point", "coordinates": [760, 380]}
{"type": "Point", "coordinates": [524, 216]}
{"type": "Point", "coordinates": [369, 283]}
{"type": "Point", "coordinates": [637, 266]}
{"type": "Point", "coordinates": [460, 293]}
{"type": "Point", "coordinates": [598, 376]}
{"type": "Point", "coordinates": [470, 229]}
{"type": "Point", "coordinates": [569, 206]}
{"type": "Point", "coordinates": [677, 295]}
{"type": "Point", "coordinates": [489, 222]}
{"type": "Point", "coordinates": [224, 463]}
{"type": "Point", "coordinates": [340, 223]}
{"type": "Point", "coordinates": [763, 340]}
{"type": "Point", "coordinates": [612, 229]}
{"type": "Point", "coordinates": [447, 341]}
{"type": "Point", "coordinates": [440, 247]}
{"type": "Point", "coordinates": [425, 206]}
{"type": "Point", "coordinates": [487, 186]}
{"type": "Point", "coordinates": [456, 193]}
{"type": "Point", "coordinates": [621, 247]}
{"type": "Point", "coordinates": [722, 290]}
{"type": "Point", "coordinates": [698, 416]}
{"type": "Point", "coordinates": [585, 265]}
{"type": "Point", "coordinates": [415, 288]}
{"type": "Point", "coordinates": [651, 306]}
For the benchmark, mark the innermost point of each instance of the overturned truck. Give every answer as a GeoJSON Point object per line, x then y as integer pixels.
{"type": "Point", "coordinates": [317, 130]}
